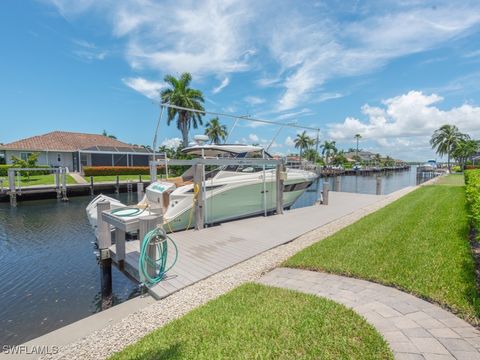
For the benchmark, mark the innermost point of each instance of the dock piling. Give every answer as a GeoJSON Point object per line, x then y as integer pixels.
{"type": "Point", "coordinates": [153, 171]}
{"type": "Point", "coordinates": [147, 224]}
{"type": "Point", "coordinates": [11, 185]}
{"type": "Point", "coordinates": [57, 184]}
{"type": "Point", "coordinates": [91, 186]}
{"type": "Point", "coordinates": [325, 193]}
{"type": "Point", "coordinates": [104, 238]}
{"type": "Point", "coordinates": [199, 204]}
{"type": "Point", "coordinates": [117, 185]}
{"type": "Point", "coordinates": [280, 185]}
{"type": "Point", "coordinates": [378, 185]}
{"type": "Point", "coordinates": [64, 184]}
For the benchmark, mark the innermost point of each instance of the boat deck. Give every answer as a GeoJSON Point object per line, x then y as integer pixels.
{"type": "Point", "coordinates": [211, 250]}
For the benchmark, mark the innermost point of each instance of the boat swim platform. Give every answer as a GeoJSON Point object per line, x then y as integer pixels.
{"type": "Point", "coordinates": [205, 252]}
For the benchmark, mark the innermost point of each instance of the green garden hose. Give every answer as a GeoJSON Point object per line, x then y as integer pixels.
{"type": "Point", "coordinates": [159, 238]}
{"type": "Point", "coordinates": [127, 211]}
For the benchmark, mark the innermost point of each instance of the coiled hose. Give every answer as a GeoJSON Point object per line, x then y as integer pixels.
{"type": "Point", "coordinates": [159, 238]}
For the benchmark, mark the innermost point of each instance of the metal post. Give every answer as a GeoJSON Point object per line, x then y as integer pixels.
{"type": "Point", "coordinates": [147, 224]}
{"type": "Point", "coordinates": [57, 183]}
{"type": "Point", "coordinates": [379, 186]}
{"type": "Point", "coordinates": [153, 171]}
{"type": "Point", "coordinates": [11, 185]}
{"type": "Point", "coordinates": [139, 191]}
{"type": "Point", "coordinates": [325, 193]}
{"type": "Point", "coordinates": [64, 185]}
{"type": "Point", "coordinates": [117, 185]}
{"type": "Point", "coordinates": [199, 204]}
{"type": "Point", "coordinates": [337, 183]}
{"type": "Point", "coordinates": [91, 186]}
{"type": "Point", "coordinates": [280, 177]}
{"type": "Point", "coordinates": [264, 188]}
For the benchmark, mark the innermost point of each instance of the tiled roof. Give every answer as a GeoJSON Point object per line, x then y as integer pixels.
{"type": "Point", "coordinates": [65, 141]}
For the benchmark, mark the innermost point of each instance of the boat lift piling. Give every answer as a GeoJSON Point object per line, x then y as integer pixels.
{"type": "Point", "coordinates": [378, 189]}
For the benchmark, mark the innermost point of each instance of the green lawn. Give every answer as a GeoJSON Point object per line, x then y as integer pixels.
{"type": "Point", "coordinates": [452, 179]}
{"type": "Point", "coordinates": [418, 243]}
{"type": "Point", "coordinates": [37, 180]}
{"type": "Point", "coordinates": [259, 322]}
{"type": "Point", "coordinates": [113, 178]}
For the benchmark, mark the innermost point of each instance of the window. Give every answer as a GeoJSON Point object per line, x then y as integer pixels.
{"type": "Point", "coordinates": [24, 156]}
{"type": "Point", "coordinates": [59, 157]}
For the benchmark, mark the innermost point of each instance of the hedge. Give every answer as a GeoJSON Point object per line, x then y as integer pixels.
{"type": "Point", "coordinates": [4, 170]}
{"type": "Point", "coordinates": [472, 188]}
{"type": "Point", "coordinates": [471, 167]}
{"type": "Point", "coordinates": [117, 170]}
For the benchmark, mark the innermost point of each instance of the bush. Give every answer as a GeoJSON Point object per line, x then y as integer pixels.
{"type": "Point", "coordinates": [4, 170]}
{"type": "Point", "coordinates": [471, 167]}
{"type": "Point", "coordinates": [472, 188]}
{"type": "Point", "coordinates": [117, 170]}
{"type": "Point", "coordinates": [456, 169]}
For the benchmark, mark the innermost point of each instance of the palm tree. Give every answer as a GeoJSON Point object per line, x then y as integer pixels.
{"type": "Point", "coordinates": [357, 137]}
{"type": "Point", "coordinates": [180, 94]}
{"type": "Point", "coordinates": [216, 131]}
{"type": "Point", "coordinates": [378, 159]}
{"type": "Point", "coordinates": [303, 142]}
{"type": "Point", "coordinates": [328, 147]}
{"type": "Point", "coordinates": [445, 139]}
{"type": "Point", "coordinates": [464, 150]}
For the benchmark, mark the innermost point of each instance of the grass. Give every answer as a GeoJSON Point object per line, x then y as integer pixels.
{"type": "Point", "coordinates": [418, 243]}
{"type": "Point", "coordinates": [37, 180]}
{"type": "Point", "coordinates": [259, 322]}
{"type": "Point", "coordinates": [452, 179]}
{"type": "Point", "coordinates": [113, 178]}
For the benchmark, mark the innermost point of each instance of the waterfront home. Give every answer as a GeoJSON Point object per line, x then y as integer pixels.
{"type": "Point", "coordinates": [75, 150]}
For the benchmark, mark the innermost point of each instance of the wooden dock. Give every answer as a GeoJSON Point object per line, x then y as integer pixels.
{"type": "Point", "coordinates": [206, 252]}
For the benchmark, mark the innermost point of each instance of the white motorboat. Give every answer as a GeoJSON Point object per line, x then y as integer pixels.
{"type": "Point", "coordinates": [231, 192]}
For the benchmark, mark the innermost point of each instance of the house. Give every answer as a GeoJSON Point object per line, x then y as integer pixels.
{"type": "Point", "coordinates": [75, 150]}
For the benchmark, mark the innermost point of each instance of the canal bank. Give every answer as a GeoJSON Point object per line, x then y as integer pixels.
{"type": "Point", "coordinates": [139, 323]}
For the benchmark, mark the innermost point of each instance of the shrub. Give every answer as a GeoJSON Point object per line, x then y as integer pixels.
{"type": "Point", "coordinates": [456, 169]}
{"type": "Point", "coordinates": [472, 188]}
{"type": "Point", "coordinates": [117, 170]}
{"type": "Point", "coordinates": [471, 167]}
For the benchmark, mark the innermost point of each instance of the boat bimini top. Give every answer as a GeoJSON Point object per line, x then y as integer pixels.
{"type": "Point", "coordinates": [215, 150]}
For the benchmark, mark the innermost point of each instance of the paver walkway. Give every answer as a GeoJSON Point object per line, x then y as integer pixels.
{"type": "Point", "coordinates": [414, 328]}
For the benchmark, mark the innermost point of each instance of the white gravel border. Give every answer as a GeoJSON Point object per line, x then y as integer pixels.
{"type": "Point", "coordinates": [104, 342]}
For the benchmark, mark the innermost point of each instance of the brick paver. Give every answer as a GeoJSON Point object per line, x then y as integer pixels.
{"type": "Point", "coordinates": [414, 328]}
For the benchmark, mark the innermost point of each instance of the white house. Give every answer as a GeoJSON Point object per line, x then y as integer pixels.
{"type": "Point", "coordinates": [75, 150]}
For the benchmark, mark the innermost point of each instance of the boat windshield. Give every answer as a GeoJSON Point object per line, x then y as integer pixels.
{"type": "Point", "coordinates": [234, 168]}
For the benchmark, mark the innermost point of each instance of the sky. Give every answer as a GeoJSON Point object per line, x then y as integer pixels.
{"type": "Point", "coordinates": [393, 71]}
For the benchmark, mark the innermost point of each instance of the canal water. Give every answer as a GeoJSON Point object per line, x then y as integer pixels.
{"type": "Point", "coordinates": [49, 276]}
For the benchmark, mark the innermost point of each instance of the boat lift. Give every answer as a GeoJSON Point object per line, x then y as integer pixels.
{"type": "Point", "coordinates": [15, 188]}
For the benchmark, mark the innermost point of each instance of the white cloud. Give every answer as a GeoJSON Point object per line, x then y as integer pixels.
{"type": "Point", "coordinates": [405, 123]}
{"type": "Point", "coordinates": [311, 53]}
{"type": "Point", "coordinates": [411, 114]}
{"type": "Point", "coordinates": [172, 142]}
{"type": "Point", "coordinates": [221, 86]}
{"type": "Point", "coordinates": [254, 138]}
{"type": "Point", "coordinates": [254, 100]}
{"type": "Point", "coordinates": [150, 89]}
{"type": "Point", "coordinates": [88, 51]}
